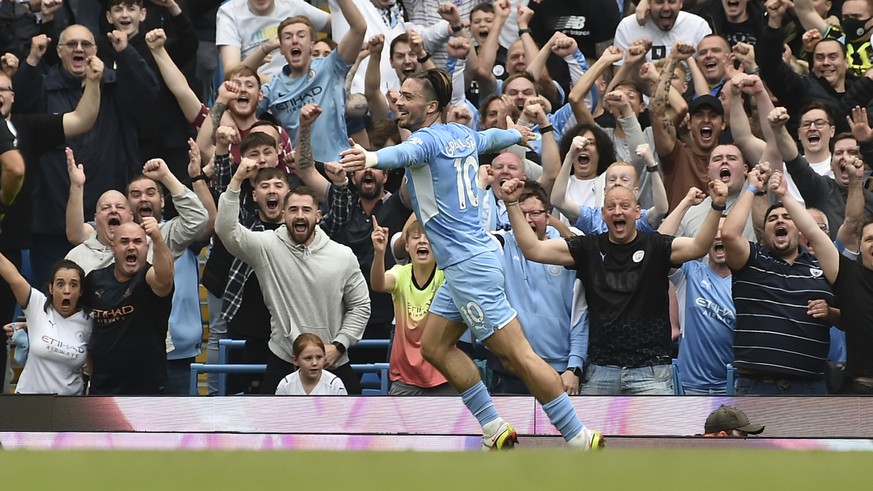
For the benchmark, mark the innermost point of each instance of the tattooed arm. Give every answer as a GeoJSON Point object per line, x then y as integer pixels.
{"type": "Point", "coordinates": [662, 126]}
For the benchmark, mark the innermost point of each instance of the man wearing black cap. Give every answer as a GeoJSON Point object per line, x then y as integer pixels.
{"type": "Point", "coordinates": [729, 421]}
{"type": "Point", "coordinates": [685, 166]}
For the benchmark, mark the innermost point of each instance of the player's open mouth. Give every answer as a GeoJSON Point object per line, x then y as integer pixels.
{"type": "Point", "coordinates": [813, 138]}
{"type": "Point", "coordinates": [300, 226]}
{"type": "Point", "coordinates": [130, 259]}
{"type": "Point", "coordinates": [483, 32]}
{"type": "Point", "coordinates": [584, 159]}
{"type": "Point", "coordinates": [408, 69]}
{"type": "Point", "coordinates": [706, 132]}
{"type": "Point", "coordinates": [296, 52]}
{"type": "Point", "coordinates": [66, 302]}
{"type": "Point", "coordinates": [781, 231]}
{"type": "Point", "coordinates": [113, 223]}
{"type": "Point", "coordinates": [718, 247]}
{"type": "Point", "coordinates": [710, 64]}
{"type": "Point", "coordinates": [272, 203]}
{"type": "Point", "coordinates": [724, 174]}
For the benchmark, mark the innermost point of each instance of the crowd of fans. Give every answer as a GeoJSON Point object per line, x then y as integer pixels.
{"type": "Point", "coordinates": [120, 160]}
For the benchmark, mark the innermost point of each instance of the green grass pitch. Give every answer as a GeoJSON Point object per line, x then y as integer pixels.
{"type": "Point", "coordinates": [617, 469]}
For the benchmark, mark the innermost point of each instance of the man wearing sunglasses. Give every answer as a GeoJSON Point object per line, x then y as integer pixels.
{"type": "Point", "coordinates": [109, 151]}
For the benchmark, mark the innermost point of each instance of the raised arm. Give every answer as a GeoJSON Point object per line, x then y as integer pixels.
{"type": "Point", "coordinates": [172, 76]}
{"type": "Point", "coordinates": [808, 17]}
{"type": "Point", "coordinates": [670, 225]}
{"type": "Point", "coordinates": [849, 232]}
{"type": "Point", "coordinates": [193, 217]}
{"type": "Point", "coordinates": [373, 79]}
{"type": "Point", "coordinates": [200, 185]}
{"type": "Point", "coordinates": [17, 283]}
{"type": "Point", "coordinates": [207, 136]}
{"type": "Point", "coordinates": [660, 202]}
{"type": "Point", "coordinates": [77, 229]}
{"type": "Point", "coordinates": [634, 56]}
{"type": "Point", "coordinates": [549, 251]}
{"type": "Point", "coordinates": [558, 198]}
{"type": "Point", "coordinates": [551, 155]}
{"type": "Point", "coordinates": [83, 117]}
{"type": "Point", "coordinates": [160, 275]}
{"type": "Point", "coordinates": [380, 281]}
{"type": "Point", "coordinates": [581, 89]}
{"type": "Point", "coordinates": [137, 83]}
{"type": "Point", "coordinates": [662, 127]}
{"type": "Point", "coordinates": [351, 43]}
{"type": "Point", "coordinates": [736, 247]}
{"type": "Point", "coordinates": [488, 50]}
{"type": "Point", "coordinates": [751, 146]}
{"type": "Point", "coordinates": [306, 170]}
{"type": "Point", "coordinates": [687, 249]}
{"type": "Point", "coordinates": [777, 119]}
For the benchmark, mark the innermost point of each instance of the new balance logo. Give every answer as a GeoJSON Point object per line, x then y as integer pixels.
{"type": "Point", "coordinates": [570, 22]}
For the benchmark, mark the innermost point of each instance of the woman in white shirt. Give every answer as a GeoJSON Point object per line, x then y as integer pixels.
{"type": "Point", "coordinates": [58, 330]}
{"type": "Point", "coordinates": [310, 377]}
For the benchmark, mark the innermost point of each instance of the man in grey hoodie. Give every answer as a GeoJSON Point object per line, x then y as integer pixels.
{"type": "Point", "coordinates": [310, 283]}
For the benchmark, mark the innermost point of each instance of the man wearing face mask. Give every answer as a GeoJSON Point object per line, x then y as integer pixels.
{"type": "Point", "coordinates": [854, 30]}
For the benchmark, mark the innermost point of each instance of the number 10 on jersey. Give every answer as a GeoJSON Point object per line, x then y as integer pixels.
{"type": "Point", "coordinates": [466, 172]}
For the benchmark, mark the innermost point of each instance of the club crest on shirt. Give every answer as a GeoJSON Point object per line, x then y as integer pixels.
{"type": "Point", "coordinates": [80, 336]}
{"type": "Point", "coordinates": [554, 270]}
{"type": "Point", "coordinates": [638, 256]}
{"type": "Point", "coordinates": [498, 70]}
{"type": "Point", "coordinates": [815, 272]}
{"type": "Point", "coordinates": [127, 292]}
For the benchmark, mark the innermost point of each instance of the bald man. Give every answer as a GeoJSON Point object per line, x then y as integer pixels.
{"type": "Point", "coordinates": [131, 301]}
{"type": "Point", "coordinates": [624, 272]}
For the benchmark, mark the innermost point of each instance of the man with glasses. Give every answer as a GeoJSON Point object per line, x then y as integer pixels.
{"type": "Point", "coordinates": [109, 151]}
{"type": "Point", "coordinates": [815, 133]}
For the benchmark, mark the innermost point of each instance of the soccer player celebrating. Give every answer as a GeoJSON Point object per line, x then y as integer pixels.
{"type": "Point", "coordinates": [442, 163]}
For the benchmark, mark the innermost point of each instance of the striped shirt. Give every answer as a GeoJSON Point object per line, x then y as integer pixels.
{"type": "Point", "coordinates": [774, 333]}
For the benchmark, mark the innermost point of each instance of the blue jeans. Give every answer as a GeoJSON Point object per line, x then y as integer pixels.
{"type": "Point", "coordinates": [217, 331]}
{"type": "Point", "coordinates": [607, 380]}
{"type": "Point", "coordinates": [779, 386]}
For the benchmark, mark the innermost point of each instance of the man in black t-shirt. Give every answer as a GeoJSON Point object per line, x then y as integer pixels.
{"type": "Point", "coordinates": [625, 277]}
{"type": "Point", "coordinates": [130, 303]}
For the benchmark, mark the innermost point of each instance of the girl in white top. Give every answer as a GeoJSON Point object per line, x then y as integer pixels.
{"type": "Point", "coordinates": [310, 378]}
{"type": "Point", "coordinates": [58, 330]}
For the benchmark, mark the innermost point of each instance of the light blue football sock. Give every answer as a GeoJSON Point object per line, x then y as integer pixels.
{"type": "Point", "coordinates": [562, 414]}
{"type": "Point", "coordinates": [478, 401]}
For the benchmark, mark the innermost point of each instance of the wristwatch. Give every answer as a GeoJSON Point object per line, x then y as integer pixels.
{"type": "Point", "coordinates": [577, 371]}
